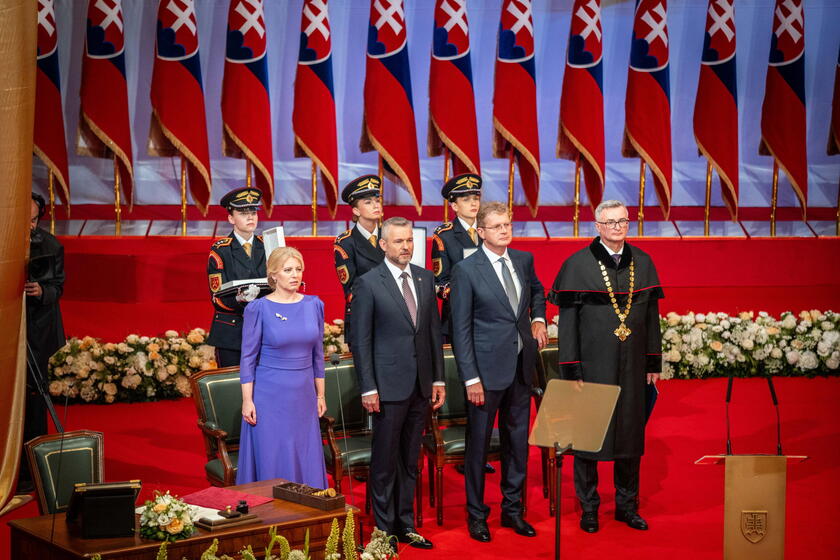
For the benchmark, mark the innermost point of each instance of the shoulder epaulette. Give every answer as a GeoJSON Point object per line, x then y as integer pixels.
{"type": "Point", "coordinates": [445, 226]}
{"type": "Point", "coordinates": [260, 238]}
{"type": "Point", "coordinates": [342, 236]}
{"type": "Point", "coordinates": [223, 242]}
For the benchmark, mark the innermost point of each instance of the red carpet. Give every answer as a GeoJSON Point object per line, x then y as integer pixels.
{"type": "Point", "coordinates": [159, 443]}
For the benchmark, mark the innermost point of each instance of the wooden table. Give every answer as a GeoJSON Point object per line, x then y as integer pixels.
{"type": "Point", "coordinates": [30, 538]}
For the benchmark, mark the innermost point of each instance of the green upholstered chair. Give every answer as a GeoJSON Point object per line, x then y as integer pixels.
{"type": "Point", "coordinates": [444, 441]}
{"type": "Point", "coordinates": [218, 399]}
{"type": "Point", "coordinates": [344, 426]}
{"type": "Point", "coordinates": [59, 461]}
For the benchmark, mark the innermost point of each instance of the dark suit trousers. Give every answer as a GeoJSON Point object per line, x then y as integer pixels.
{"type": "Point", "coordinates": [226, 357]}
{"type": "Point", "coordinates": [395, 448]}
{"type": "Point", "coordinates": [514, 408]}
{"type": "Point", "coordinates": [625, 476]}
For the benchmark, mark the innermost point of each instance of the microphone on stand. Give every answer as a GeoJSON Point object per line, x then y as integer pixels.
{"type": "Point", "coordinates": [728, 399]}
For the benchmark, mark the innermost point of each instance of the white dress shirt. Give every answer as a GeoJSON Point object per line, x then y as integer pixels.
{"type": "Point", "coordinates": [242, 240]}
{"type": "Point", "coordinates": [397, 272]}
{"type": "Point", "coordinates": [610, 251]}
{"type": "Point", "coordinates": [365, 233]}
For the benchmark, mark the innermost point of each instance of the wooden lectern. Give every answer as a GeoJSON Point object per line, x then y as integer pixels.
{"type": "Point", "coordinates": [754, 495]}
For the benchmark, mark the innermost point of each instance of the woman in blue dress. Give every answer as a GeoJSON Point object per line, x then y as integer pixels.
{"type": "Point", "coordinates": [282, 376]}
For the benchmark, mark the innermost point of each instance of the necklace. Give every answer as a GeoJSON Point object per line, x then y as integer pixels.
{"type": "Point", "coordinates": [622, 332]}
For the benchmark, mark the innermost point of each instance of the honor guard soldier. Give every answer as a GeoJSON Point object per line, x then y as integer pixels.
{"type": "Point", "coordinates": [239, 256]}
{"type": "Point", "coordinates": [357, 250]}
{"type": "Point", "coordinates": [451, 239]}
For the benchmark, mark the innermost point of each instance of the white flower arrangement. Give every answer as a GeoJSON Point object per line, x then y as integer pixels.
{"type": "Point", "coordinates": [716, 344]}
{"type": "Point", "coordinates": [166, 518]}
{"type": "Point", "coordinates": [143, 368]}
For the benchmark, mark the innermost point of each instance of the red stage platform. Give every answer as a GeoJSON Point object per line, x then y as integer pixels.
{"type": "Point", "coordinates": [145, 285]}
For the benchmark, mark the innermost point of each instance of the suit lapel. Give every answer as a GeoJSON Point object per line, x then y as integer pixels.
{"type": "Point", "coordinates": [364, 246]}
{"type": "Point", "coordinates": [391, 288]}
{"type": "Point", "coordinates": [519, 267]}
{"type": "Point", "coordinates": [488, 273]}
{"type": "Point", "coordinates": [257, 256]}
{"type": "Point", "coordinates": [239, 253]}
{"type": "Point", "coordinates": [461, 235]}
{"type": "Point", "coordinates": [418, 289]}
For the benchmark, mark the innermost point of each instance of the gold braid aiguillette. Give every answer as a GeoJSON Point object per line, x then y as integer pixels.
{"type": "Point", "coordinates": [622, 332]}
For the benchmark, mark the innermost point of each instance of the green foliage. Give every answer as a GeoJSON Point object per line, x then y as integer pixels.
{"type": "Point", "coordinates": [210, 553]}
{"type": "Point", "coordinates": [247, 553]}
{"type": "Point", "coordinates": [332, 541]}
{"type": "Point", "coordinates": [349, 538]}
{"type": "Point", "coordinates": [162, 554]}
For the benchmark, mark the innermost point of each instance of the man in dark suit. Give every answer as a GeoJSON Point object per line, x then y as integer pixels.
{"type": "Point", "coordinates": [357, 250]}
{"type": "Point", "coordinates": [498, 325]}
{"type": "Point", "coordinates": [398, 357]}
{"type": "Point", "coordinates": [239, 256]}
{"type": "Point", "coordinates": [44, 327]}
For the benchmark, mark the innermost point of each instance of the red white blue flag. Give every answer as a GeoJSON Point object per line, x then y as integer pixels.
{"type": "Point", "coordinates": [104, 129]}
{"type": "Point", "coordinates": [783, 111]}
{"type": "Point", "coordinates": [581, 131]}
{"type": "Point", "coordinates": [179, 126]}
{"type": "Point", "coordinates": [515, 96]}
{"type": "Point", "coordinates": [834, 126]}
{"type": "Point", "coordinates": [647, 128]}
{"type": "Point", "coordinates": [716, 106]}
{"type": "Point", "coordinates": [50, 144]}
{"type": "Point", "coordinates": [246, 111]}
{"type": "Point", "coordinates": [313, 117]}
{"type": "Point", "coordinates": [388, 125]}
{"type": "Point", "coordinates": [452, 123]}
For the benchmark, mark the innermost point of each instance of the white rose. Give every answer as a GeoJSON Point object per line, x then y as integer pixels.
{"type": "Point", "coordinates": [808, 360]}
{"type": "Point", "coordinates": [792, 357]}
{"type": "Point", "coordinates": [789, 321]}
{"type": "Point", "coordinates": [700, 317]}
{"type": "Point", "coordinates": [776, 353]}
{"type": "Point", "coordinates": [826, 325]}
{"type": "Point", "coordinates": [832, 363]}
{"type": "Point", "coordinates": [163, 519]}
{"type": "Point", "coordinates": [704, 360]}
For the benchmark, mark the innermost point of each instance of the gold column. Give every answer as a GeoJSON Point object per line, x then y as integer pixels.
{"type": "Point", "coordinates": [183, 196]}
{"type": "Point", "coordinates": [117, 207]}
{"type": "Point", "coordinates": [708, 198]}
{"type": "Point", "coordinates": [510, 181]}
{"type": "Point", "coordinates": [314, 199]}
{"type": "Point", "coordinates": [774, 198]}
{"type": "Point", "coordinates": [576, 218]}
{"type": "Point", "coordinates": [18, 28]}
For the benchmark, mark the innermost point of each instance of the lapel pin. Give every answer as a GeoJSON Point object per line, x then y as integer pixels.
{"type": "Point", "coordinates": [280, 317]}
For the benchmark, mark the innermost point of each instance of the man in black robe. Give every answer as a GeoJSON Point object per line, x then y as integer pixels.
{"type": "Point", "coordinates": [603, 340]}
{"type": "Point", "coordinates": [44, 327]}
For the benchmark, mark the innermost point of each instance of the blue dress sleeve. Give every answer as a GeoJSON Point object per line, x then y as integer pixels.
{"type": "Point", "coordinates": [251, 341]}
{"type": "Point", "coordinates": [318, 347]}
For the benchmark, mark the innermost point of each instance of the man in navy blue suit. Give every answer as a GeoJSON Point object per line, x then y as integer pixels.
{"type": "Point", "coordinates": [398, 355]}
{"type": "Point", "coordinates": [498, 326]}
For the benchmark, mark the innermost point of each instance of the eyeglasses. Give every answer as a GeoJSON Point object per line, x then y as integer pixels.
{"type": "Point", "coordinates": [613, 224]}
{"type": "Point", "coordinates": [499, 227]}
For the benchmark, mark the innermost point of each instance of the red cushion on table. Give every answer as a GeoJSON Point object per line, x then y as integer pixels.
{"type": "Point", "coordinates": [220, 498]}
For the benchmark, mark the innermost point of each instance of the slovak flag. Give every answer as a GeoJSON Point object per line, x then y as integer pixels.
{"type": "Point", "coordinates": [716, 106]}
{"type": "Point", "coordinates": [515, 96]}
{"type": "Point", "coordinates": [647, 127]}
{"type": "Point", "coordinates": [178, 122]}
{"type": "Point", "coordinates": [50, 144]}
{"type": "Point", "coordinates": [783, 111]}
{"type": "Point", "coordinates": [581, 131]}
{"type": "Point", "coordinates": [452, 123]}
{"type": "Point", "coordinates": [313, 117]}
{"type": "Point", "coordinates": [104, 129]}
{"type": "Point", "coordinates": [246, 111]}
{"type": "Point", "coordinates": [388, 125]}
{"type": "Point", "coordinates": [834, 126]}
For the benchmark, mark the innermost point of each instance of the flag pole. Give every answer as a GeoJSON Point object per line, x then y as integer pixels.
{"type": "Point", "coordinates": [774, 198]}
{"type": "Point", "coordinates": [837, 225]}
{"type": "Point", "coordinates": [642, 168]}
{"type": "Point", "coordinates": [708, 198]}
{"type": "Point", "coordinates": [576, 220]}
{"type": "Point", "coordinates": [247, 172]}
{"type": "Point", "coordinates": [381, 173]}
{"type": "Point", "coordinates": [183, 196]}
{"type": "Point", "coordinates": [446, 157]}
{"type": "Point", "coordinates": [51, 187]}
{"type": "Point", "coordinates": [510, 181]}
{"type": "Point", "coordinates": [314, 199]}
{"type": "Point", "coordinates": [117, 210]}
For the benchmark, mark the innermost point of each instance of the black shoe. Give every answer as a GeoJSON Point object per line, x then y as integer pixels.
{"type": "Point", "coordinates": [632, 518]}
{"type": "Point", "coordinates": [589, 521]}
{"type": "Point", "coordinates": [519, 525]}
{"type": "Point", "coordinates": [414, 539]}
{"type": "Point", "coordinates": [478, 529]}
{"type": "Point", "coordinates": [488, 468]}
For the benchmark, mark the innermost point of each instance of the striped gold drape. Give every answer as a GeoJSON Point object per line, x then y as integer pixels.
{"type": "Point", "coordinates": [18, 28]}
